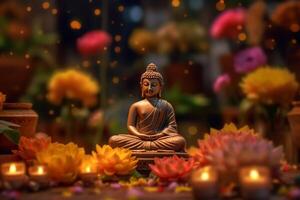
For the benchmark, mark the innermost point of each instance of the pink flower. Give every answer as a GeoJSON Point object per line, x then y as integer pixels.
{"type": "Point", "coordinates": [173, 168]}
{"type": "Point", "coordinates": [228, 24]}
{"type": "Point", "coordinates": [221, 82]}
{"type": "Point", "coordinates": [249, 59]}
{"type": "Point", "coordinates": [93, 42]}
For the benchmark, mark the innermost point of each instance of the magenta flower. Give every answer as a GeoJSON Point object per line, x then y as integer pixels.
{"type": "Point", "coordinates": [221, 82]}
{"type": "Point", "coordinates": [228, 24]}
{"type": "Point", "coordinates": [93, 42]}
{"type": "Point", "coordinates": [249, 59]}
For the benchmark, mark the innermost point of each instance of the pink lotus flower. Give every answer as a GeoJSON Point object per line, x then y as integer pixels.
{"type": "Point", "coordinates": [231, 148]}
{"type": "Point", "coordinates": [93, 42]}
{"type": "Point", "coordinates": [172, 168]}
{"type": "Point", "coordinates": [228, 24]}
{"type": "Point", "coordinates": [221, 82]}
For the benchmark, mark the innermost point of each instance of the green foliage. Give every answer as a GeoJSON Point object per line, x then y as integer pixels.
{"type": "Point", "coordinates": [185, 103]}
{"type": "Point", "coordinates": [9, 131]}
{"type": "Point", "coordinates": [34, 45]}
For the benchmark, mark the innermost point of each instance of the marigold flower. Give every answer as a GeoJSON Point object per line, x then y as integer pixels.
{"type": "Point", "coordinates": [265, 84]}
{"type": "Point", "coordinates": [142, 41]}
{"type": "Point", "coordinates": [287, 15]}
{"type": "Point", "coordinates": [29, 147]}
{"type": "Point", "coordinates": [93, 42]}
{"type": "Point", "coordinates": [114, 161]}
{"type": "Point", "coordinates": [74, 85]}
{"type": "Point", "coordinates": [228, 24]}
{"type": "Point", "coordinates": [172, 168]}
{"type": "Point", "coordinates": [63, 161]}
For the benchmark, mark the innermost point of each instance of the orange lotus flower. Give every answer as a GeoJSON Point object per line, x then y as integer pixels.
{"type": "Point", "coordinates": [114, 161]}
{"type": "Point", "coordinates": [63, 161]}
{"type": "Point", "coordinates": [172, 168]}
{"type": "Point", "coordinates": [28, 147]}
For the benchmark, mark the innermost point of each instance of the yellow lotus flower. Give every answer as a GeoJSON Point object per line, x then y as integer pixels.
{"type": "Point", "coordinates": [2, 100]}
{"type": "Point", "coordinates": [270, 85]}
{"type": "Point", "coordinates": [74, 85]}
{"type": "Point", "coordinates": [63, 161]}
{"type": "Point", "coordinates": [114, 161]}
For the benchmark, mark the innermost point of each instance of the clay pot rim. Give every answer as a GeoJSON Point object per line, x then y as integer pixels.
{"type": "Point", "coordinates": [22, 105]}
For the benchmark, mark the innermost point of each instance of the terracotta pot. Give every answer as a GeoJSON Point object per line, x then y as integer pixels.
{"type": "Point", "coordinates": [294, 120]}
{"type": "Point", "coordinates": [21, 114]}
{"type": "Point", "coordinates": [16, 73]}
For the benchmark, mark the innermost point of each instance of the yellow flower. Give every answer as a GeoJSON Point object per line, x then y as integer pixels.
{"type": "Point", "coordinates": [270, 85]}
{"type": "Point", "coordinates": [63, 161]}
{"type": "Point", "coordinates": [114, 161]}
{"type": "Point", "coordinates": [142, 40]}
{"type": "Point", "coordinates": [74, 85]}
{"type": "Point", "coordinates": [133, 182]}
{"type": "Point", "coordinates": [2, 100]}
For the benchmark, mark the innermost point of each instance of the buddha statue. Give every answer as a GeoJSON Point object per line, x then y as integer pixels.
{"type": "Point", "coordinates": [151, 122]}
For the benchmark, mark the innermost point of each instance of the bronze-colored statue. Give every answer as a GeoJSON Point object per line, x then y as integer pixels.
{"type": "Point", "coordinates": [151, 121]}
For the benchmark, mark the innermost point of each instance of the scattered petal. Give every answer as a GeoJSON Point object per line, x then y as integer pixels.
{"type": "Point", "coordinates": [151, 189]}
{"type": "Point", "coordinates": [183, 189]}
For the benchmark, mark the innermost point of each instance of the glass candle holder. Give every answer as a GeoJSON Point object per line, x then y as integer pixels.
{"type": "Point", "coordinates": [204, 182]}
{"type": "Point", "coordinates": [39, 173]}
{"type": "Point", "coordinates": [255, 182]}
{"type": "Point", "coordinates": [14, 173]}
{"type": "Point", "coordinates": [88, 171]}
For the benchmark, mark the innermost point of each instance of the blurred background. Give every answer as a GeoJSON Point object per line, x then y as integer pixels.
{"type": "Point", "coordinates": [203, 49]}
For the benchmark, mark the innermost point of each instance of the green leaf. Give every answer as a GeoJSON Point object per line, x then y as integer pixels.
{"type": "Point", "coordinates": [136, 174]}
{"type": "Point", "coordinates": [9, 124]}
{"type": "Point", "coordinates": [12, 134]}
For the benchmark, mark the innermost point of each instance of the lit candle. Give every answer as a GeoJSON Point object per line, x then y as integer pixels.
{"type": "Point", "coordinates": [14, 173]}
{"type": "Point", "coordinates": [204, 183]}
{"type": "Point", "coordinates": [255, 182]}
{"type": "Point", "coordinates": [88, 171]}
{"type": "Point", "coordinates": [38, 173]}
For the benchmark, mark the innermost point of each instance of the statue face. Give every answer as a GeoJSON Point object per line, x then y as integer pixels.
{"type": "Point", "coordinates": [151, 87]}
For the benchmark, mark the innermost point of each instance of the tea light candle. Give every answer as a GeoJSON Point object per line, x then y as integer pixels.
{"type": "Point", "coordinates": [204, 183]}
{"type": "Point", "coordinates": [38, 173]}
{"type": "Point", "coordinates": [88, 171]}
{"type": "Point", "coordinates": [255, 182]}
{"type": "Point", "coordinates": [14, 173]}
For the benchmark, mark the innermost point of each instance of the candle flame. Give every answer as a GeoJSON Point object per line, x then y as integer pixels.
{"type": "Point", "coordinates": [12, 169]}
{"type": "Point", "coordinates": [88, 169]}
{"type": "Point", "coordinates": [204, 176]}
{"type": "Point", "coordinates": [40, 170]}
{"type": "Point", "coordinates": [254, 174]}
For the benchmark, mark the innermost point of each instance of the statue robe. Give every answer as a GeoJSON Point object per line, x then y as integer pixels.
{"type": "Point", "coordinates": [160, 119]}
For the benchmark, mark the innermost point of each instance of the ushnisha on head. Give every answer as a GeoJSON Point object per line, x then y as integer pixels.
{"type": "Point", "coordinates": [151, 82]}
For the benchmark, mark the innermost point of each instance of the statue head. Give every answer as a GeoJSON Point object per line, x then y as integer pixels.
{"type": "Point", "coordinates": [151, 82]}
